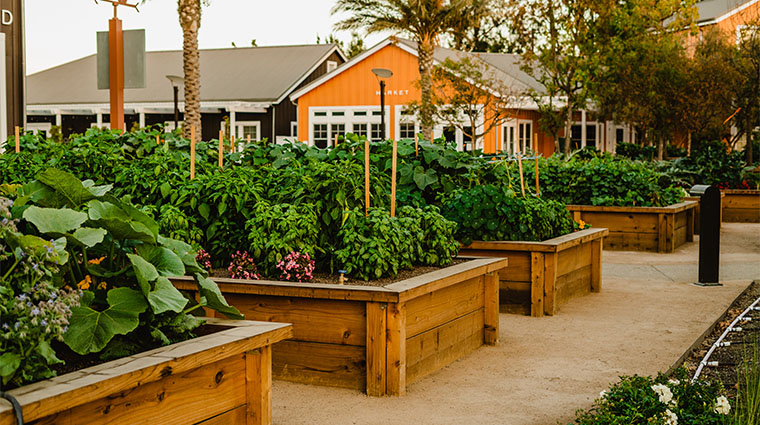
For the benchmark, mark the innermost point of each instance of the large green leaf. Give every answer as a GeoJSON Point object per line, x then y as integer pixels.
{"type": "Point", "coordinates": [90, 330]}
{"type": "Point", "coordinates": [164, 259]}
{"type": "Point", "coordinates": [119, 222]}
{"type": "Point", "coordinates": [165, 297]}
{"type": "Point", "coordinates": [212, 298]}
{"type": "Point", "coordinates": [66, 186]}
{"type": "Point", "coordinates": [87, 236]}
{"type": "Point", "coordinates": [144, 271]}
{"type": "Point", "coordinates": [423, 178]}
{"type": "Point", "coordinates": [54, 220]}
{"type": "Point", "coordinates": [185, 252]}
{"type": "Point", "coordinates": [9, 363]}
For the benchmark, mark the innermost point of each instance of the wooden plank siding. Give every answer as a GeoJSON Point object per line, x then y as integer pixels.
{"type": "Point", "coordinates": [374, 339]}
{"type": "Point", "coordinates": [544, 275]}
{"type": "Point", "coordinates": [654, 229]}
{"type": "Point", "coordinates": [741, 206]}
{"type": "Point", "coordinates": [217, 378]}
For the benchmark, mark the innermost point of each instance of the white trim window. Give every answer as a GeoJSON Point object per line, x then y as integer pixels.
{"type": "Point", "coordinates": [406, 123]}
{"type": "Point", "coordinates": [524, 136]}
{"type": "Point", "coordinates": [36, 127]}
{"type": "Point", "coordinates": [580, 140]}
{"type": "Point", "coordinates": [508, 137]}
{"type": "Point", "coordinates": [332, 66]}
{"type": "Point", "coordinates": [327, 122]}
{"type": "Point", "coordinates": [319, 135]}
{"type": "Point", "coordinates": [243, 129]}
{"type": "Point", "coordinates": [294, 129]}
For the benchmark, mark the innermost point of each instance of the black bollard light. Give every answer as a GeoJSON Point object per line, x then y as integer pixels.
{"type": "Point", "coordinates": [709, 234]}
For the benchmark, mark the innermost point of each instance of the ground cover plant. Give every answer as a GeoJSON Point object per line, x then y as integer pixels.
{"type": "Point", "coordinates": [90, 269]}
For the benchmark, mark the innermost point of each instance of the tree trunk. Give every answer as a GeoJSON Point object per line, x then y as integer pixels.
{"type": "Point", "coordinates": [427, 109]}
{"type": "Point", "coordinates": [190, 20]}
{"type": "Point", "coordinates": [660, 147]}
{"type": "Point", "coordinates": [750, 160]}
{"type": "Point", "coordinates": [568, 128]}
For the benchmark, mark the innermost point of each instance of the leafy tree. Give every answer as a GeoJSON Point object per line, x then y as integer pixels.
{"type": "Point", "coordinates": [425, 20]}
{"type": "Point", "coordinates": [466, 92]}
{"type": "Point", "coordinates": [486, 32]}
{"type": "Point", "coordinates": [747, 64]}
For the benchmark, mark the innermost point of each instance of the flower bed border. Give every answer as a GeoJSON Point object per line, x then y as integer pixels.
{"type": "Point", "coordinates": [741, 206]}
{"type": "Point", "coordinates": [543, 275]}
{"type": "Point", "coordinates": [225, 376]}
{"type": "Point", "coordinates": [653, 229]}
{"type": "Point", "coordinates": [374, 339]}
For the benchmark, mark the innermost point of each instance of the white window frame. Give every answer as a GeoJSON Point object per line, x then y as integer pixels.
{"type": "Point", "coordinates": [523, 145]}
{"type": "Point", "coordinates": [508, 146]}
{"type": "Point", "coordinates": [332, 66]}
{"type": "Point", "coordinates": [464, 122]}
{"type": "Point", "coordinates": [401, 117]}
{"type": "Point", "coordinates": [294, 129]}
{"type": "Point", "coordinates": [102, 125]}
{"type": "Point", "coordinates": [34, 127]}
{"type": "Point", "coordinates": [584, 140]}
{"type": "Point", "coordinates": [238, 131]}
{"type": "Point", "coordinates": [348, 118]}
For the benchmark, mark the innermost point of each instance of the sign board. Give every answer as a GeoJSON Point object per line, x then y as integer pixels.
{"type": "Point", "coordinates": [134, 60]}
{"type": "Point", "coordinates": [13, 64]}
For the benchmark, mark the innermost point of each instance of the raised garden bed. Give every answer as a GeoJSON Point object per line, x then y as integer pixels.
{"type": "Point", "coordinates": [374, 339]}
{"type": "Point", "coordinates": [224, 377]}
{"type": "Point", "coordinates": [654, 229]}
{"type": "Point", "coordinates": [544, 275]}
{"type": "Point", "coordinates": [741, 206]}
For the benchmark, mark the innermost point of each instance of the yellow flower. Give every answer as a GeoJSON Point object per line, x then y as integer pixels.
{"type": "Point", "coordinates": [85, 283]}
{"type": "Point", "coordinates": [581, 224]}
{"type": "Point", "coordinates": [102, 285]}
{"type": "Point", "coordinates": [96, 260]}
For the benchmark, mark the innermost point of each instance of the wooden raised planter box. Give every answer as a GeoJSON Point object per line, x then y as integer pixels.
{"type": "Point", "coordinates": [374, 339]}
{"type": "Point", "coordinates": [543, 275]}
{"type": "Point", "coordinates": [221, 378]}
{"type": "Point", "coordinates": [741, 206]}
{"type": "Point", "coordinates": [654, 229]}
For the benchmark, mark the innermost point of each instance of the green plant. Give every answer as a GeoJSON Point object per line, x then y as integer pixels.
{"type": "Point", "coordinates": [491, 213]}
{"type": "Point", "coordinates": [639, 400]}
{"type": "Point", "coordinates": [437, 243]}
{"type": "Point", "coordinates": [242, 266]}
{"type": "Point", "coordinates": [275, 231]}
{"type": "Point", "coordinates": [747, 404]}
{"type": "Point", "coordinates": [376, 245]}
{"type": "Point", "coordinates": [120, 261]}
{"type": "Point", "coordinates": [296, 267]}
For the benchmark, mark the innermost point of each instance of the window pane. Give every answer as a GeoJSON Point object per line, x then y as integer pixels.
{"type": "Point", "coordinates": [406, 130]}
{"type": "Point", "coordinates": [320, 135]}
{"type": "Point", "coordinates": [450, 134]}
{"type": "Point", "coordinates": [320, 114]}
{"type": "Point", "coordinates": [338, 113]}
{"type": "Point", "coordinates": [591, 135]}
{"type": "Point", "coordinates": [250, 130]}
{"type": "Point", "coordinates": [337, 129]}
{"type": "Point", "coordinates": [360, 113]}
{"type": "Point", "coordinates": [619, 135]}
{"type": "Point", "coordinates": [376, 133]}
{"type": "Point", "coordinates": [360, 129]}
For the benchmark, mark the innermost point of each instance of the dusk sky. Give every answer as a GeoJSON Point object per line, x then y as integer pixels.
{"type": "Point", "coordinates": [59, 31]}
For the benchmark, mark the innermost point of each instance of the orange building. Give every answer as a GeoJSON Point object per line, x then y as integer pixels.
{"type": "Point", "coordinates": [348, 101]}
{"type": "Point", "coordinates": [731, 17]}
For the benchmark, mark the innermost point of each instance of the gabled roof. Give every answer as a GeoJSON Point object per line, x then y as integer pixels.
{"type": "Point", "coordinates": [506, 66]}
{"type": "Point", "coordinates": [250, 74]}
{"type": "Point", "coordinates": [714, 11]}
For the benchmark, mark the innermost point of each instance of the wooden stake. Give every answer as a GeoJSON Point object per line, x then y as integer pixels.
{"type": "Point", "coordinates": [366, 177]}
{"type": "Point", "coordinates": [232, 143]}
{"type": "Point", "coordinates": [519, 166]}
{"type": "Point", "coordinates": [18, 142]}
{"type": "Point", "coordinates": [393, 178]}
{"type": "Point", "coordinates": [192, 152]}
{"type": "Point", "coordinates": [535, 153]}
{"type": "Point", "coordinates": [158, 139]}
{"type": "Point", "coordinates": [335, 143]}
{"type": "Point", "coordinates": [416, 145]}
{"type": "Point", "coordinates": [248, 140]}
{"type": "Point", "coordinates": [221, 149]}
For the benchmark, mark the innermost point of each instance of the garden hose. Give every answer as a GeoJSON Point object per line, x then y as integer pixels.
{"type": "Point", "coordinates": [16, 407]}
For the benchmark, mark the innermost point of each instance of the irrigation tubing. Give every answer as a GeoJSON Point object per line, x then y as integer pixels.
{"type": "Point", "coordinates": [16, 407]}
{"type": "Point", "coordinates": [705, 360]}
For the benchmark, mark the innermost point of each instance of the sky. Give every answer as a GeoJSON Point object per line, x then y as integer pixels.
{"type": "Point", "coordinates": [60, 31]}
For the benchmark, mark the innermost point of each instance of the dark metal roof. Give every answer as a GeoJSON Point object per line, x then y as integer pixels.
{"type": "Point", "coordinates": [250, 74]}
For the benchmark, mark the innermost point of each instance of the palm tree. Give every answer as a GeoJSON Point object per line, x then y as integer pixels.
{"type": "Point", "coordinates": [425, 20]}
{"type": "Point", "coordinates": [190, 21]}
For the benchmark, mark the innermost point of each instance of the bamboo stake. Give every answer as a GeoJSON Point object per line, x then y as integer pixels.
{"type": "Point", "coordinates": [416, 145]}
{"type": "Point", "coordinates": [221, 149]}
{"type": "Point", "coordinates": [335, 143]}
{"type": "Point", "coordinates": [232, 143]}
{"type": "Point", "coordinates": [393, 179]}
{"type": "Point", "coordinates": [535, 153]}
{"type": "Point", "coordinates": [366, 177]}
{"type": "Point", "coordinates": [519, 166]}
{"type": "Point", "coordinates": [248, 140]}
{"type": "Point", "coordinates": [18, 142]}
{"type": "Point", "coordinates": [192, 152]}
{"type": "Point", "coordinates": [158, 139]}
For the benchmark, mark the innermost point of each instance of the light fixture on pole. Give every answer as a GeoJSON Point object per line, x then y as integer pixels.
{"type": "Point", "coordinates": [381, 74]}
{"type": "Point", "coordinates": [176, 82]}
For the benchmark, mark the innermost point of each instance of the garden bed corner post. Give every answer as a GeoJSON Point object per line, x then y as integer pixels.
{"type": "Point", "coordinates": [491, 325]}
{"type": "Point", "coordinates": [376, 348]}
{"type": "Point", "coordinates": [258, 378]}
{"type": "Point", "coordinates": [395, 374]}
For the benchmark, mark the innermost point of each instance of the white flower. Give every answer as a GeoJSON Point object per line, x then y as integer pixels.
{"type": "Point", "coordinates": [603, 394]}
{"type": "Point", "coordinates": [722, 406]}
{"type": "Point", "coordinates": [673, 381]}
{"type": "Point", "coordinates": [662, 391]}
{"type": "Point", "coordinates": [670, 418]}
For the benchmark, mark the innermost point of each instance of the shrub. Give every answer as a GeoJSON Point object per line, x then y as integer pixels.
{"type": "Point", "coordinates": [277, 230]}
{"type": "Point", "coordinates": [645, 400]}
{"type": "Point", "coordinates": [491, 213]}
{"type": "Point", "coordinates": [296, 267]}
{"type": "Point", "coordinates": [242, 266]}
{"type": "Point", "coordinates": [437, 242]}
{"type": "Point", "coordinates": [376, 245]}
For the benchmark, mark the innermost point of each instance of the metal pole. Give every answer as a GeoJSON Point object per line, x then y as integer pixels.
{"type": "Point", "coordinates": [382, 110]}
{"type": "Point", "coordinates": [176, 107]}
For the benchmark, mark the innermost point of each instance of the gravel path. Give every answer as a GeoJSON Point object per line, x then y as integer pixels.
{"type": "Point", "coordinates": [544, 369]}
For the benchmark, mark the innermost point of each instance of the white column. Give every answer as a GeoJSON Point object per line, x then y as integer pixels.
{"type": "Point", "coordinates": [142, 119]}
{"type": "Point", "coordinates": [583, 128]}
{"type": "Point", "coordinates": [58, 118]}
{"type": "Point", "coordinates": [233, 124]}
{"type": "Point", "coordinates": [99, 119]}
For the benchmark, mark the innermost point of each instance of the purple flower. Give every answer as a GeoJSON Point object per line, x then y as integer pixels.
{"type": "Point", "coordinates": [35, 311]}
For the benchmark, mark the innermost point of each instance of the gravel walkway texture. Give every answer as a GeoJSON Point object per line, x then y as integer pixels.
{"type": "Point", "coordinates": [543, 369]}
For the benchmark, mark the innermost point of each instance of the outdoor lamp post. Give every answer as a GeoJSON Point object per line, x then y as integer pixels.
{"type": "Point", "coordinates": [381, 74]}
{"type": "Point", "coordinates": [176, 81]}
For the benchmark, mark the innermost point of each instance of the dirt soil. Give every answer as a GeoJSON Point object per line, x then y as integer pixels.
{"type": "Point", "coordinates": [543, 369]}
{"type": "Point", "coordinates": [334, 278]}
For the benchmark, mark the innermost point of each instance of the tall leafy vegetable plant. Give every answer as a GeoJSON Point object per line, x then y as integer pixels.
{"type": "Point", "coordinates": [120, 262]}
